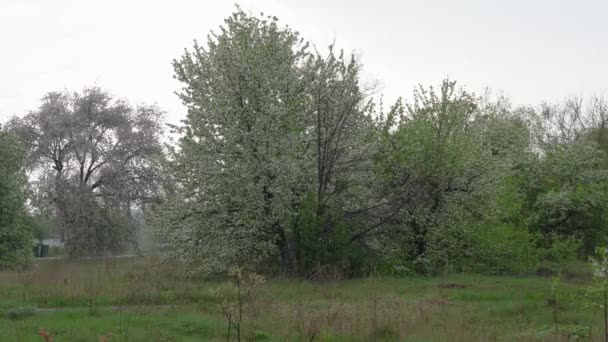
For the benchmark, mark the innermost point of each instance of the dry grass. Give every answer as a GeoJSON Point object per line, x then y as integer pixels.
{"type": "Point", "coordinates": [128, 281]}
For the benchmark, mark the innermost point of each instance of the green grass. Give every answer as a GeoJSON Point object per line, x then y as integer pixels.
{"type": "Point", "coordinates": [132, 325]}
{"type": "Point", "coordinates": [140, 299]}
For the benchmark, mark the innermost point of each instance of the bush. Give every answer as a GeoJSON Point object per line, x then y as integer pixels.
{"type": "Point", "coordinates": [498, 249]}
{"type": "Point", "coordinates": [321, 252]}
{"type": "Point", "coordinates": [447, 250]}
{"type": "Point", "coordinates": [559, 250]}
{"type": "Point", "coordinates": [501, 249]}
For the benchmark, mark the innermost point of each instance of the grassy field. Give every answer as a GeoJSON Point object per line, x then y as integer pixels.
{"type": "Point", "coordinates": [139, 299]}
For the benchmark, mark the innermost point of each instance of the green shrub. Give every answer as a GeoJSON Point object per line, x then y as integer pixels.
{"type": "Point", "coordinates": [559, 250]}
{"type": "Point", "coordinates": [323, 243]}
{"type": "Point", "coordinates": [501, 249]}
{"type": "Point", "coordinates": [448, 250]}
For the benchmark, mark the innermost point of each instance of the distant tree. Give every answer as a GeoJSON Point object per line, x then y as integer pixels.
{"type": "Point", "coordinates": [565, 185]}
{"type": "Point", "coordinates": [16, 238]}
{"type": "Point", "coordinates": [565, 191]}
{"type": "Point", "coordinates": [571, 120]}
{"type": "Point", "coordinates": [93, 159]}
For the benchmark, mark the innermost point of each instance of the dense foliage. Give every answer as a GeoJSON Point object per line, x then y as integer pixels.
{"type": "Point", "coordinates": [287, 164]}
{"type": "Point", "coordinates": [270, 153]}
{"type": "Point", "coordinates": [94, 161]}
{"type": "Point", "coordinates": [16, 238]}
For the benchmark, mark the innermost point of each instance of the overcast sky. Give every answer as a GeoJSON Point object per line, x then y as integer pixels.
{"type": "Point", "coordinates": [534, 50]}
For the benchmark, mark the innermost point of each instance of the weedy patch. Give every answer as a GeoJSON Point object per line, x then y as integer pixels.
{"type": "Point", "coordinates": [454, 308]}
{"type": "Point", "coordinates": [19, 313]}
{"type": "Point", "coordinates": [572, 332]}
{"type": "Point", "coordinates": [384, 332]}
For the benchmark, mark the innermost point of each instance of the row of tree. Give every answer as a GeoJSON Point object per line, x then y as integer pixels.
{"type": "Point", "coordinates": [286, 164]}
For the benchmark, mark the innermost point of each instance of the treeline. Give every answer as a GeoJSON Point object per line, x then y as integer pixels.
{"type": "Point", "coordinates": [286, 164]}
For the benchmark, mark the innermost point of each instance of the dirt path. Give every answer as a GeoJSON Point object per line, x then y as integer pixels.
{"type": "Point", "coordinates": [110, 308]}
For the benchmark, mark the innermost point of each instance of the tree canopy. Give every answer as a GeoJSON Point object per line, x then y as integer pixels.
{"type": "Point", "coordinates": [16, 238]}
{"type": "Point", "coordinates": [286, 161]}
{"type": "Point", "coordinates": [93, 159]}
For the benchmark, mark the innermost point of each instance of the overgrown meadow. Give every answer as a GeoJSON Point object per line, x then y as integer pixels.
{"type": "Point", "coordinates": [142, 299]}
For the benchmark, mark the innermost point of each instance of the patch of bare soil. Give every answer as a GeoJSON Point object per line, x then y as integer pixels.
{"type": "Point", "coordinates": [453, 286]}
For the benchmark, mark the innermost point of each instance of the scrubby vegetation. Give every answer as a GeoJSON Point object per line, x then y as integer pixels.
{"type": "Point", "coordinates": [142, 299]}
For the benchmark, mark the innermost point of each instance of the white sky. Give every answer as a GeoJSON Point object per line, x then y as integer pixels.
{"type": "Point", "coordinates": [534, 50]}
